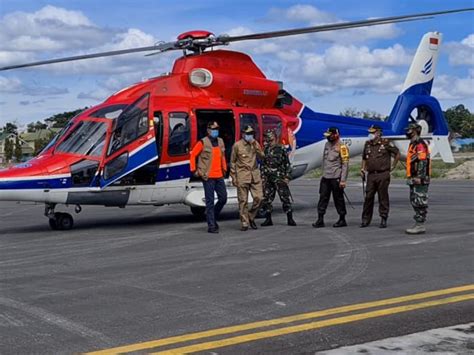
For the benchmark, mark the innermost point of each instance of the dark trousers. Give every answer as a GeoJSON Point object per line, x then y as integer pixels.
{"type": "Point", "coordinates": [212, 212]}
{"type": "Point", "coordinates": [376, 183]}
{"type": "Point", "coordinates": [325, 188]}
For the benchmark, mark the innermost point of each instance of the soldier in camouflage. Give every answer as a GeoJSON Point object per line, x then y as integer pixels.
{"type": "Point", "coordinates": [276, 170]}
{"type": "Point", "coordinates": [418, 176]}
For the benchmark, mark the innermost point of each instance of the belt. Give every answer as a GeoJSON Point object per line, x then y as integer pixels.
{"type": "Point", "coordinates": [377, 171]}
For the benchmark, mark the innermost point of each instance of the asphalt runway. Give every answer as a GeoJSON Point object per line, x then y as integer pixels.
{"type": "Point", "coordinates": [122, 277]}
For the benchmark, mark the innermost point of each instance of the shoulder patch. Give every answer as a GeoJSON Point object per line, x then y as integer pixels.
{"type": "Point", "coordinates": [344, 151]}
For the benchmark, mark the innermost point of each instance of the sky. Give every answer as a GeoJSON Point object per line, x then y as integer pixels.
{"type": "Point", "coordinates": [330, 72]}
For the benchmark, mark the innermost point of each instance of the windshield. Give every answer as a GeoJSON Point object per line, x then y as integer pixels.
{"type": "Point", "coordinates": [111, 112]}
{"type": "Point", "coordinates": [87, 138]}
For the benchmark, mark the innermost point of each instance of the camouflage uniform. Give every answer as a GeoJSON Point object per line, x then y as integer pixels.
{"type": "Point", "coordinates": [418, 161]}
{"type": "Point", "coordinates": [418, 177]}
{"type": "Point", "coordinates": [276, 169]}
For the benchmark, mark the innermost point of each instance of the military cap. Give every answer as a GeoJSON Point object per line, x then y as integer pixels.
{"type": "Point", "coordinates": [413, 126]}
{"type": "Point", "coordinates": [374, 128]}
{"type": "Point", "coordinates": [330, 131]}
{"type": "Point", "coordinates": [212, 125]}
{"type": "Point", "coordinates": [270, 133]}
{"type": "Point", "coordinates": [248, 129]}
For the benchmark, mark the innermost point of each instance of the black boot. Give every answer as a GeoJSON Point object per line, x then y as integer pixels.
{"type": "Point", "coordinates": [268, 220]}
{"type": "Point", "coordinates": [252, 224]}
{"type": "Point", "coordinates": [383, 222]}
{"type": "Point", "coordinates": [341, 223]}
{"type": "Point", "coordinates": [320, 222]}
{"type": "Point", "coordinates": [291, 221]}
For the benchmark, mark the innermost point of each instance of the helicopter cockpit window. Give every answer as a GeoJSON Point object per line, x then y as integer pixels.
{"type": "Point", "coordinates": [56, 138]}
{"type": "Point", "coordinates": [86, 138]}
{"type": "Point", "coordinates": [131, 124]}
{"type": "Point", "coordinates": [179, 133]}
{"type": "Point", "coordinates": [111, 112]}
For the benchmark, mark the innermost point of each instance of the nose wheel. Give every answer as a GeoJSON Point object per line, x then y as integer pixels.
{"type": "Point", "coordinates": [58, 220]}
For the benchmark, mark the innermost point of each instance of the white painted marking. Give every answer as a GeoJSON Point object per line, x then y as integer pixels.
{"type": "Point", "coordinates": [450, 340]}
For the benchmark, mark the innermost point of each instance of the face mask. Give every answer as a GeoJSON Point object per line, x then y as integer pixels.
{"type": "Point", "coordinates": [248, 137]}
{"type": "Point", "coordinates": [371, 136]}
{"type": "Point", "coordinates": [214, 133]}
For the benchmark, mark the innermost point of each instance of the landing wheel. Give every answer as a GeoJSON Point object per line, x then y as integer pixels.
{"type": "Point", "coordinates": [199, 212]}
{"type": "Point", "coordinates": [61, 221]}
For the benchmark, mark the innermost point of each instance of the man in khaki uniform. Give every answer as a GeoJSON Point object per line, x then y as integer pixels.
{"type": "Point", "coordinates": [245, 176]}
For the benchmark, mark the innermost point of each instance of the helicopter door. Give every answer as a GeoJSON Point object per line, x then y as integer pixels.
{"type": "Point", "coordinates": [226, 122]}
{"type": "Point", "coordinates": [132, 154]}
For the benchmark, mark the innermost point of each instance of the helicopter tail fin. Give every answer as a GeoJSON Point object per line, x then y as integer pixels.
{"type": "Point", "coordinates": [415, 103]}
{"type": "Point", "coordinates": [422, 70]}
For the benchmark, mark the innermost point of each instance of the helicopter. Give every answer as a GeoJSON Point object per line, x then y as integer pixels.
{"type": "Point", "coordinates": [133, 149]}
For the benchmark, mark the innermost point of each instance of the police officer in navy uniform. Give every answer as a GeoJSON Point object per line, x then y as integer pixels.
{"type": "Point", "coordinates": [377, 164]}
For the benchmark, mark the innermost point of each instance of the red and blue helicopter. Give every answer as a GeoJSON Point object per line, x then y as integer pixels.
{"type": "Point", "coordinates": [133, 149]}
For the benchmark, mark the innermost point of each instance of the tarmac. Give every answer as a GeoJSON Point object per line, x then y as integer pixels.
{"type": "Point", "coordinates": [151, 279]}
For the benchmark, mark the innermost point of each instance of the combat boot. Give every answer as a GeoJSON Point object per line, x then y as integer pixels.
{"type": "Point", "coordinates": [341, 223]}
{"type": "Point", "coordinates": [383, 222]}
{"type": "Point", "coordinates": [291, 221]}
{"type": "Point", "coordinates": [418, 228]}
{"type": "Point", "coordinates": [320, 222]}
{"type": "Point", "coordinates": [268, 220]}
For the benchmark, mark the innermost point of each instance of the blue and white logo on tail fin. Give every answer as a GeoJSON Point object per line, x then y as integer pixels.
{"type": "Point", "coordinates": [427, 67]}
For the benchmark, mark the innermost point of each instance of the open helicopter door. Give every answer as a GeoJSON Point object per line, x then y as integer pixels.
{"type": "Point", "coordinates": [132, 154]}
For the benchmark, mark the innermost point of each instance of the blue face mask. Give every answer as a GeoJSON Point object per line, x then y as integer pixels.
{"type": "Point", "coordinates": [214, 133]}
{"type": "Point", "coordinates": [248, 137]}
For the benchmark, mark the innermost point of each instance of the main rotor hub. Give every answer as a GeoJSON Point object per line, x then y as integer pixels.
{"type": "Point", "coordinates": [197, 34]}
{"type": "Point", "coordinates": [197, 41]}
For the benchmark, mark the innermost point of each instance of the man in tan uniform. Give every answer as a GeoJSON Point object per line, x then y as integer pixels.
{"type": "Point", "coordinates": [335, 171]}
{"type": "Point", "coordinates": [245, 176]}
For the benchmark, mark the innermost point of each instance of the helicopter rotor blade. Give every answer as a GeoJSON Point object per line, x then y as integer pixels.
{"type": "Point", "coordinates": [162, 47]}
{"type": "Point", "coordinates": [336, 26]}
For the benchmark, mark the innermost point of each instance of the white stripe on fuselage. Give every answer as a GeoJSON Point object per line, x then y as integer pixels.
{"type": "Point", "coordinates": [36, 177]}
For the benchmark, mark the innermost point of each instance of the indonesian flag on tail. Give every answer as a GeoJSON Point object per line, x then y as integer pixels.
{"type": "Point", "coordinates": [434, 43]}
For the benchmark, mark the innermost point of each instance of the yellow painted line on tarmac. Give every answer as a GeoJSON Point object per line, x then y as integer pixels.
{"type": "Point", "coordinates": [313, 325]}
{"type": "Point", "coordinates": [278, 321]}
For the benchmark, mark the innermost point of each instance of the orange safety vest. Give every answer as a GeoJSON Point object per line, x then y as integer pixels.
{"type": "Point", "coordinates": [417, 151]}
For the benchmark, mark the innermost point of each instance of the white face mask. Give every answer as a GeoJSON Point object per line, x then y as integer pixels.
{"type": "Point", "coordinates": [371, 136]}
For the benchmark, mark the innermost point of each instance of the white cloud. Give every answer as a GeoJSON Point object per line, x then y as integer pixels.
{"type": "Point", "coordinates": [448, 87]}
{"type": "Point", "coordinates": [10, 85]}
{"type": "Point", "coordinates": [16, 86]}
{"type": "Point", "coordinates": [309, 16]}
{"type": "Point", "coordinates": [51, 28]}
{"type": "Point", "coordinates": [302, 13]}
{"type": "Point", "coordinates": [462, 53]}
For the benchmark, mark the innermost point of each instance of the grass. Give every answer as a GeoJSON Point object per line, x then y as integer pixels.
{"type": "Point", "coordinates": [439, 169]}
